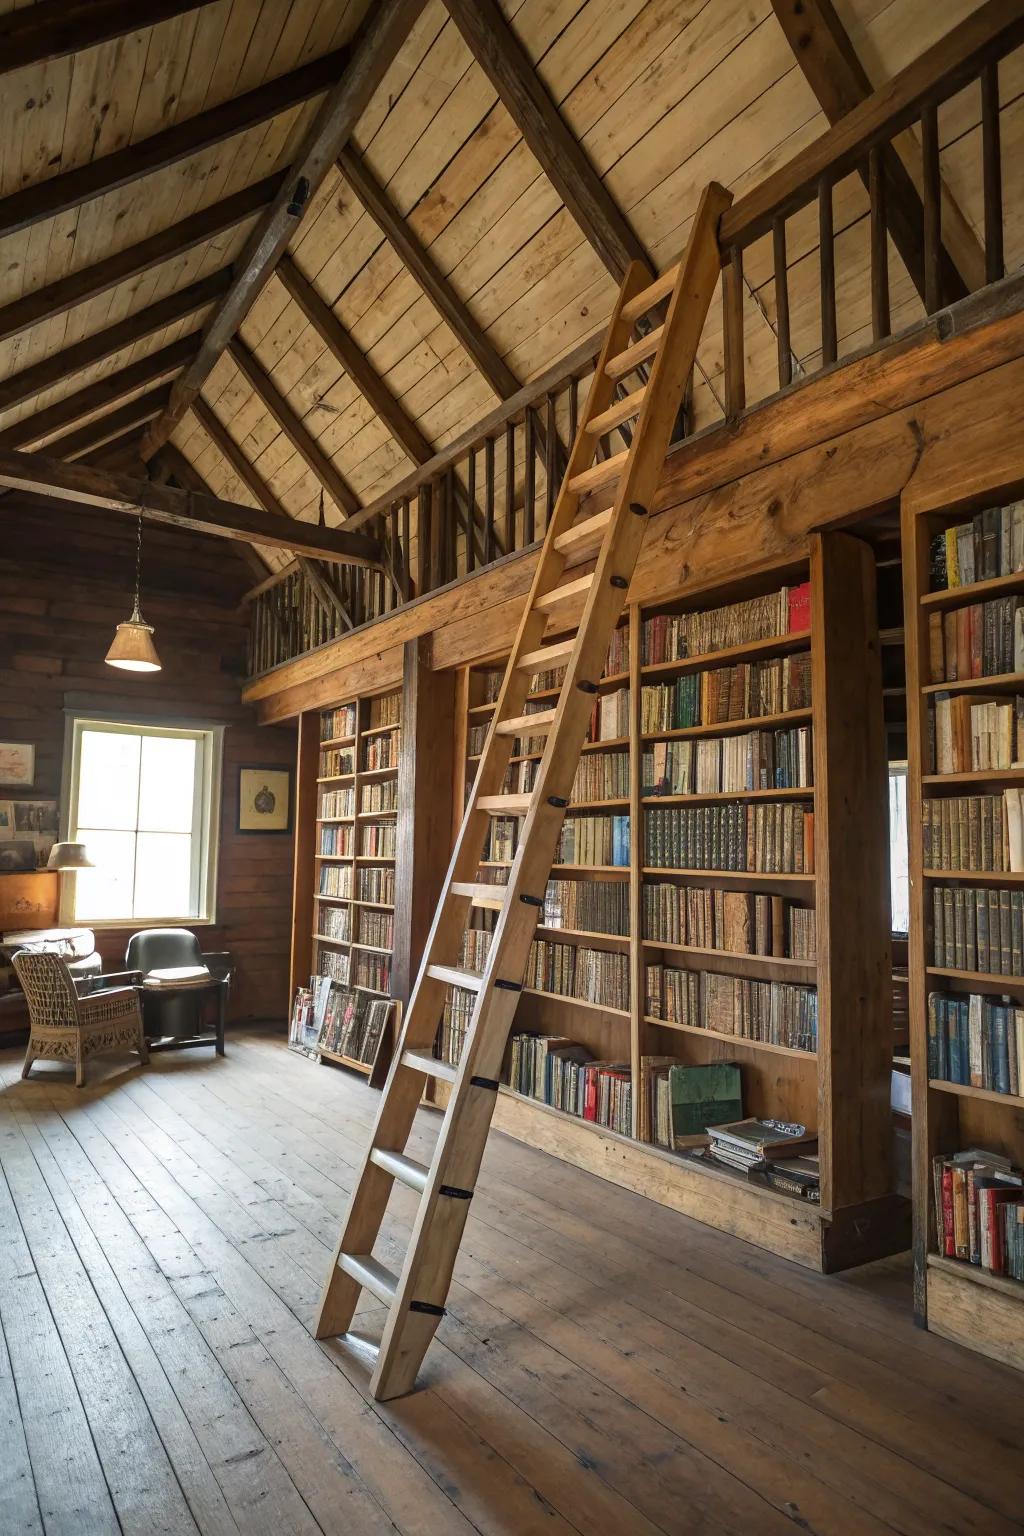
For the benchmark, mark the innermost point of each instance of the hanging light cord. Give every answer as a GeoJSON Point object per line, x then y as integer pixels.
{"type": "Point", "coordinates": [138, 566]}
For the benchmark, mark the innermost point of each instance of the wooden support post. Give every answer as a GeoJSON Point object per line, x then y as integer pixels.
{"type": "Point", "coordinates": [827, 267]}
{"type": "Point", "coordinates": [304, 867]}
{"type": "Point", "coordinates": [782, 300]}
{"type": "Point", "coordinates": [880, 317]}
{"type": "Point", "coordinates": [732, 321]}
{"type": "Point", "coordinates": [992, 173]}
{"type": "Point", "coordinates": [932, 208]}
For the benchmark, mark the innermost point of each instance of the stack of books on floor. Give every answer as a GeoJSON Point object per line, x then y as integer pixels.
{"type": "Point", "coordinates": [979, 1210]}
{"type": "Point", "coordinates": [972, 735]}
{"type": "Point", "coordinates": [975, 832]}
{"type": "Point", "coordinates": [561, 1073]}
{"type": "Point", "coordinates": [991, 544]}
{"type": "Point", "coordinates": [773, 1152]}
{"type": "Point", "coordinates": [303, 1031]}
{"type": "Point", "coordinates": [976, 1042]}
{"type": "Point", "coordinates": [672, 637]}
{"type": "Point", "coordinates": [977, 929]}
{"type": "Point", "coordinates": [353, 1025]}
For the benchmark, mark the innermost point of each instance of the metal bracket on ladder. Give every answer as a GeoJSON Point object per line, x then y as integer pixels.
{"type": "Point", "coordinates": [416, 1296]}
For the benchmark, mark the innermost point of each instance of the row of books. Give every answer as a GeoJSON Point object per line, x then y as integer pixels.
{"type": "Point", "coordinates": [979, 640]}
{"type": "Point", "coordinates": [772, 1012]}
{"type": "Point", "coordinates": [378, 797]}
{"type": "Point", "coordinates": [723, 694]}
{"type": "Point", "coordinates": [673, 637]}
{"type": "Point", "coordinates": [336, 964]}
{"type": "Point", "coordinates": [454, 1026]}
{"type": "Point", "coordinates": [978, 930]}
{"type": "Point", "coordinates": [730, 764]}
{"type": "Point", "coordinates": [609, 718]}
{"type": "Point", "coordinates": [570, 970]}
{"type": "Point", "coordinates": [679, 1100]}
{"type": "Point", "coordinates": [594, 840]}
{"type": "Point", "coordinates": [337, 802]}
{"type": "Point", "coordinates": [599, 776]}
{"type": "Point", "coordinates": [385, 709]}
{"type": "Point", "coordinates": [563, 1074]}
{"type": "Point", "coordinates": [336, 724]}
{"type": "Point", "coordinates": [990, 544]}
{"type": "Point", "coordinates": [975, 832]}
{"type": "Point", "coordinates": [336, 841]}
{"type": "Point", "coordinates": [334, 923]}
{"type": "Point", "coordinates": [337, 762]}
{"type": "Point", "coordinates": [767, 838]}
{"type": "Point", "coordinates": [976, 1041]}
{"type": "Point", "coordinates": [376, 928]}
{"type": "Point", "coordinates": [335, 880]}
{"type": "Point", "coordinates": [376, 885]}
{"type": "Point", "coordinates": [501, 840]}
{"type": "Point", "coordinates": [353, 1024]}
{"type": "Point", "coordinates": [971, 735]}
{"type": "Point", "coordinates": [588, 906]}
{"type": "Point", "coordinates": [979, 1210]}
{"type": "Point", "coordinates": [739, 922]}
{"type": "Point", "coordinates": [379, 840]}
{"type": "Point", "coordinates": [372, 971]}
{"type": "Point", "coordinates": [380, 752]}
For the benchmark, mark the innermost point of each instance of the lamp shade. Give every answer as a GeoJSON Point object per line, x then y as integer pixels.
{"type": "Point", "coordinates": [69, 856]}
{"type": "Point", "coordinates": [133, 649]}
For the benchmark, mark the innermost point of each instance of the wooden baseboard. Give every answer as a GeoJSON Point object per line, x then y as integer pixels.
{"type": "Point", "coordinates": [977, 1310]}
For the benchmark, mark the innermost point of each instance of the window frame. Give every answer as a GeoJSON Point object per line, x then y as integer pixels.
{"type": "Point", "coordinates": [206, 809]}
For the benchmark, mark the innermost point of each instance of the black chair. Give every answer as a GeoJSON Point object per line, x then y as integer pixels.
{"type": "Point", "coordinates": [172, 1013]}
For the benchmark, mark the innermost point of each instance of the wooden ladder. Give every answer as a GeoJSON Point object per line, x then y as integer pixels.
{"type": "Point", "coordinates": [415, 1298]}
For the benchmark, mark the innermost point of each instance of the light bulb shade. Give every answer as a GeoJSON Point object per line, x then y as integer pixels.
{"type": "Point", "coordinates": [133, 649]}
{"type": "Point", "coordinates": [69, 856]}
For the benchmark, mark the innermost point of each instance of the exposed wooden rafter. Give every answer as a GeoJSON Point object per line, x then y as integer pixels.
{"type": "Point", "coordinates": [510, 70]}
{"type": "Point", "coordinates": [836, 75]}
{"type": "Point", "coordinates": [171, 466]}
{"type": "Point", "coordinates": [106, 429]}
{"type": "Point", "coordinates": [357, 75]}
{"type": "Point", "coordinates": [79, 484]}
{"type": "Point", "coordinates": [51, 29]}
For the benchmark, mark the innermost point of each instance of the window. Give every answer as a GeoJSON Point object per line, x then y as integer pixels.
{"type": "Point", "coordinates": [145, 801]}
{"type": "Point", "coordinates": [899, 849]}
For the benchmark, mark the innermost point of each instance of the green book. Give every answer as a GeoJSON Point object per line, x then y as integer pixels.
{"type": "Point", "coordinates": [703, 1096]}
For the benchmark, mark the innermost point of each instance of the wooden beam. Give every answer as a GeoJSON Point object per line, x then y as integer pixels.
{"type": "Point", "coordinates": [358, 72]}
{"type": "Point", "coordinates": [102, 393]}
{"type": "Point", "coordinates": [51, 29]}
{"type": "Point", "coordinates": [105, 429]}
{"type": "Point", "coordinates": [115, 338]}
{"type": "Point", "coordinates": [171, 464]}
{"type": "Point", "coordinates": [430, 279]}
{"type": "Point", "coordinates": [78, 287]}
{"type": "Point", "coordinates": [80, 485]}
{"type": "Point", "coordinates": [294, 428]}
{"type": "Point", "coordinates": [511, 71]}
{"type": "Point", "coordinates": [355, 363]}
{"type": "Point", "coordinates": [832, 68]}
{"type": "Point", "coordinates": [70, 189]}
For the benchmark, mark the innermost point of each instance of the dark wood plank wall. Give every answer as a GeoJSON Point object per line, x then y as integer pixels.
{"type": "Point", "coordinates": [65, 581]}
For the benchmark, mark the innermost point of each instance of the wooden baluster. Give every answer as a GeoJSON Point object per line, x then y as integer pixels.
{"type": "Point", "coordinates": [396, 557]}
{"type": "Point", "coordinates": [529, 478]}
{"type": "Point", "coordinates": [827, 266]}
{"type": "Point", "coordinates": [732, 321]}
{"type": "Point", "coordinates": [488, 500]}
{"type": "Point", "coordinates": [574, 410]}
{"type": "Point", "coordinates": [471, 510]}
{"type": "Point", "coordinates": [932, 199]}
{"type": "Point", "coordinates": [880, 317]}
{"type": "Point", "coordinates": [992, 172]}
{"type": "Point", "coordinates": [451, 540]}
{"type": "Point", "coordinates": [782, 301]}
{"type": "Point", "coordinates": [510, 487]}
{"type": "Point", "coordinates": [551, 458]}
{"type": "Point", "coordinates": [424, 518]}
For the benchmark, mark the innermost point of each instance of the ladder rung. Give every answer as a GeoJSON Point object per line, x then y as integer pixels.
{"type": "Point", "coordinates": [562, 594]}
{"type": "Point", "coordinates": [429, 1066]}
{"type": "Point", "coordinates": [505, 805]}
{"type": "Point", "coordinates": [621, 411]}
{"type": "Point", "coordinates": [659, 289]}
{"type": "Point", "coordinates": [579, 533]}
{"type": "Point", "coordinates": [618, 367]}
{"type": "Point", "coordinates": [406, 1169]}
{"type": "Point", "coordinates": [540, 661]}
{"type": "Point", "coordinates": [373, 1277]}
{"type": "Point", "coordinates": [599, 474]}
{"type": "Point", "coordinates": [453, 977]}
{"type": "Point", "coordinates": [490, 897]}
{"type": "Point", "coordinates": [526, 725]}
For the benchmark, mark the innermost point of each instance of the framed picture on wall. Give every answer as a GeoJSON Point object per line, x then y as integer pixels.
{"type": "Point", "coordinates": [264, 799]}
{"type": "Point", "coordinates": [17, 764]}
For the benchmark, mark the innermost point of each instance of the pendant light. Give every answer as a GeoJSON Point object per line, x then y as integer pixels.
{"type": "Point", "coordinates": [133, 649]}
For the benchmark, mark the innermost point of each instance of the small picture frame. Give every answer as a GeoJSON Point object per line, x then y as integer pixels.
{"type": "Point", "coordinates": [17, 764]}
{"type": "Point", "coordinates": [265, 799]}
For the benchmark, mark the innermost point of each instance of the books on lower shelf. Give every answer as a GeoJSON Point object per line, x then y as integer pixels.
{"type": "Point", "coordinates": [376, 928]}
{"type": "Point", "coordinates": [337, 802]}
{"type": "Point", "coordinates": [378, 797]}
{"type": "Point", "coordinates": [975, 832]}
{"type": "Point", "coordinates": [977, 641]}
{"type": "Point", "coordinates": [978, 930]}
{"type": "Point", "coordinates": [979, 1210]}
{"type": "Point", "coordinates": [768, 1012]}
{"type": "Point", "coordinates": [335, 880]}
{"type": "Point", "coordinates": [729, 764]}
{"type": "Point", "coordinates": [724, 694]}
{"type": "Point", "coordinates": [588, 906]}
{"type": "Point", "coordinates": [570, 970]}
{"type": "Point", "coordinates": [380, 752]}
{"type": "Point", "coordinates": [990, 544]}
{"type": "Point", "coordinates": [781, 1155]}
{"type": "Point", "coordinates": [768, 838]}
{"type": "Point", "coordinates": [336, 841]}
{"type": "Point", "coordinates": [336, 964]}
{"type": "Point", "coordinates": [736, 922]}
{"type": "Point", "coordinates": [561, 1073]}
{"type": "Point", "coordinates": [672, 637]}
{"type": "Point", "coordinates": [679, 1100]}
{"type": "Point", "coordinates": [337, 723]}
{"type": "Point", "coordinates": [372, 971]}
{"type": "Point", "coordinates": [976, 1041]}
{"type": "Point", "coordinates": [334, 923]}
{"type": "Point", "coordinates": [354, 1024]}
{"type": "Point", "coordinates": [968, 734]}
{"type": "Point", "coordinates": [303, 1029]}
{"type": "Point", "coordinates": [376, 885]}
{"type": "Point", "coordinates": [594, 840]}
{"type": "Point", "coordinates": [379, 839]}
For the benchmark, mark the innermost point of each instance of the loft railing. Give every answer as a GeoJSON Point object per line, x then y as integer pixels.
{"type": "Point", "coordinates": [489, 493]}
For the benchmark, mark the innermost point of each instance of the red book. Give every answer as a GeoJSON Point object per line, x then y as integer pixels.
{"type": "Point", "coordinates": [946, 1235]}
{"type": "Point", "coordinates": [800, 607]}
{"type": "Point", "coordinates": [590, 1095]}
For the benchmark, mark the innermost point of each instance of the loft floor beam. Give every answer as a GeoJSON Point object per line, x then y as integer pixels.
{"type": "Point", "coordinates": [79, 484]}
{"type": "Point", "coordinates": [52, 29]}
{"type": "Point", "coordinates": [170, 464]}
{"type": "Point", "coordinates": [355, 79]}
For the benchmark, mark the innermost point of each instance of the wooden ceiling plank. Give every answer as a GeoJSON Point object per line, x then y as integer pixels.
{"type": "Point", "coordinates": [124, 333]}
{"type": "Point", "coordinates": [70, 189]}
{"type": "Point", "coordinates": [830, 64]}
{"type": "Point", "coordinates": [107, 391]}
{"type": "Point", "coordinates": [564, 161]}
{"type": "Point", "coordinates": [78, 287]}
{"type": "Point", "coordinates": [78, 484]}
{"type": "Point", "coordinates": [52, 29]}
{"type": "Point", "coordinates": [362, 67]}
{"type": "Point", "coordinates": [95, 434]}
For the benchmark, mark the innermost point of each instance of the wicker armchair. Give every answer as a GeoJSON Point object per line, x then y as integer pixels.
{"type": "Point", "coordinates": [64, 1026]}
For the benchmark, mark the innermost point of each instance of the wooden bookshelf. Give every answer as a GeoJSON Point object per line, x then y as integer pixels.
{"type": "Point", "coordinates": [953, 1297]}
{"type": "Point", "coordinates": [841, 1088]}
